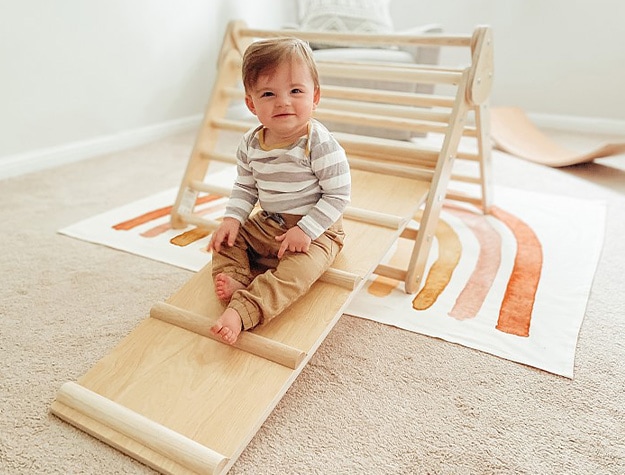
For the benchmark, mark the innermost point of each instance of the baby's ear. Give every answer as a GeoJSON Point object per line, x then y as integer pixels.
{"type": "Point", "coordinates": [317, 96]}
{"type": "Point", "coordinates": [250, 104]}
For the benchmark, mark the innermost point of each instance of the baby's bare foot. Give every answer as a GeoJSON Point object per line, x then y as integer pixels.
{"type": "Point", "coordinates": [228, 326]}
{"type": "Point", "coordinates": [225, 286]}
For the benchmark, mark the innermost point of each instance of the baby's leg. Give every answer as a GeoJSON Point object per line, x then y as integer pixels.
{"type": "Point", "coordinates": [228, 326]}
{"type": "Point", "coordinates": [225, 286]}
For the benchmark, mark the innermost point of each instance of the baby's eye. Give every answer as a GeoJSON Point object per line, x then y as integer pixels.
{"type": "Point", "coordinates": [297, 90]}
{"type": "Point", "coordinates": [266, 94]}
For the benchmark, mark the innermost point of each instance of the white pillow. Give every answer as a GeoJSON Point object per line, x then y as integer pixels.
{"type": "Point", "coordinates": [356, 16]}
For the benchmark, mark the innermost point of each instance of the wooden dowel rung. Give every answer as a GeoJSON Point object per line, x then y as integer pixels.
{"type": "Point", "coordinates": [474, 157]}
{"type": "Point", "coordinates": [388, 110]}
{"type": "Point", "coordinates": [191, 218]}
{"type": "Point", "coordinates": [388, 73]}
{"type": "Point", "coordinates": [390, 272]}
{"type": "Point", "coordinates": [386, 97]}
{"type": "Point", "coordinates": [247, 341]}
{"type": "Point", "coordinates": [219, 157]}
{"type": "Point", "coordinates": [371, 120]}
{"type": "Point", "coordinates": [391, 169]}
{"type": "Point", "coordinates": [466, 179]}
{"type": "Point", "coordinates": [409, 233]}
{"type": "Point", "coordinates": [210, 188]}
{"type": "Point", "coordinates": [363, 38]}
{"type": "Point", "coordinates": [388, 150]}
{"type": "Point", "coordinates": [162, 440]}
{"type": "Point", "coordinates": [342, 278]}
{"type": "Point", "coordinates": [234, 125]}
{"type": "Point", "coordinates": [465, 198]}
{"type": "Point", "coordinates": [374, 217]}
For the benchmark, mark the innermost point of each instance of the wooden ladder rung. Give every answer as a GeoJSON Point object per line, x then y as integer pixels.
{"type": "Point", "coordinates": [194, 219]}
{"type": "Point", "coordinates": [363, 38]}
{"type": "Point", "coordinates": [371, 120]}
{"type": "Point", "coordinates": [233, 125]}
{"type": "Point", "coordinates": [367, 95]}
{"type": "Point", "coordinates": [210, 188]}
{"type": "Point", "coordinates": [386, 97]}
{"type": "Point", "coordinates": [388, 73]}
{"type": "Point", "coordinates": [390, 272]}
{"type": "Point", "coordinates": [247, 341]}
{"type": "Point", "coordinates": [409, 233]}
{"type": "Point", "coordinates": [404, 171]}
{"type": "Point", "coordinates": [388, 110]}
{"type": "Point", "coordinates": [389, 150]}
{"type": "Point", "coordinates": [479, 202]}
{"type": "Point", "coordinates": [219, 157]}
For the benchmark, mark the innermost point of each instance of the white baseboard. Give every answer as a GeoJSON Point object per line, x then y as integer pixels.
{"type": "Point", "coordinates": [19, 164]}
{"type": "Point", "coordinates": [588, 125]}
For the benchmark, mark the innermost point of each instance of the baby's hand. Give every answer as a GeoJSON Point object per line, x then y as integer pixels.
{"type": "Point", "coordinates": [294, 240]}
{"type": "Point", "coordinates": [226, 232]}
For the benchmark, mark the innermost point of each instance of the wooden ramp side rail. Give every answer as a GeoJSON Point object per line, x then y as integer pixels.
{"type": "Point", "coordinates": [459, 111]}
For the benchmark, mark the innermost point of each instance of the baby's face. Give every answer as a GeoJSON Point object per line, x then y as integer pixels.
{"type": "Point", "coordinates": [284, 99]}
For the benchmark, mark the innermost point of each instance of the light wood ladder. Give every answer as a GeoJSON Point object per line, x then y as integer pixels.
{"type": "Point", "coordinates": [459, 110]}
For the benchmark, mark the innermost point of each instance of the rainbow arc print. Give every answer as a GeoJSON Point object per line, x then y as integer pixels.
{"type": "Point", "coordinates": [517, 305]}
{"type": "Point", "coordinates": [501, 283]}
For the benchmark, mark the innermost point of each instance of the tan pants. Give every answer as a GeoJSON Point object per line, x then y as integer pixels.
{"type": "Point", "coordinates": [272, 284]}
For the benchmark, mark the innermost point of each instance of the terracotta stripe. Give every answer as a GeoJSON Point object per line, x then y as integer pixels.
{"type": "Point", "coordinates": [157, 213]}
{"type": "Point", "coordinates": [449, 251]}
{"type": "Point", "coordinates": [189, 237]}
{"type": "Point", "coordinates": [477, 287]}
{"type": "Point", "coordinates": [515, 314]}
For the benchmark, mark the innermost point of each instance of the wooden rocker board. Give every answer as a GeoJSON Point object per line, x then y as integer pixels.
{"type": "Point", "coordinates": [182, 402]}
{"type": "Point", "coordinates": [513, 132]}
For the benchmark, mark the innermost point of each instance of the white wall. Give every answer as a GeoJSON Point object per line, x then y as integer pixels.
{"type": "Point", "coordinates": [82, 77]}
{"type": "Point", "coordinates": [554, 57]}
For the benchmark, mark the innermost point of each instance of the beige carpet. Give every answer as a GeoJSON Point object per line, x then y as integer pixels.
{"type": "Point", "coordinates": [374, 399]}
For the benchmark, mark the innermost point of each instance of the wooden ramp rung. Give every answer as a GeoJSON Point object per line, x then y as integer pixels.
{"type": "Point", "coordinates": [162, 440]}
{"type": "Point", "coordinates": [374, 217]}
{"type": "Point", "coordinates": [351, 212]}
{"type": "Point", "coordinates": [248, 341]}
{"type": "Point", "coordinates": [341, 278]}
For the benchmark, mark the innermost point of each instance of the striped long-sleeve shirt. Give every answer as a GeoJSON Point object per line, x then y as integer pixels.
{"type": "Point", "coordinates": [309, 177]}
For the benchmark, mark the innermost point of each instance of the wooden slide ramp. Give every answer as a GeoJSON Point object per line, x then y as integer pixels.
{"type": "Point", "coordinates": [174, 398]}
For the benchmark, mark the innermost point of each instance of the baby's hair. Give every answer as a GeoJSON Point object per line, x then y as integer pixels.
{"type": "Point", "coordinates": [263, 56]}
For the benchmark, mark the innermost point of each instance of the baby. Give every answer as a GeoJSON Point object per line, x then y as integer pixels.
{"type": "Point", "coordinates": [298, 173]}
